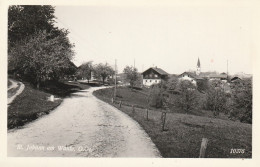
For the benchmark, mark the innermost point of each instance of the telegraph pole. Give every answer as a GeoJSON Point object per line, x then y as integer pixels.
{"type": "Point", "coordinates": [115, 81]}
{"type": "Point", "coordinates": [227, 70]}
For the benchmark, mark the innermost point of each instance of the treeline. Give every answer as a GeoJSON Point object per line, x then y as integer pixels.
{"type": "Point", "coordinates": [99, 71]}
{"type": "Point", "coordinates": [38, 51]}
{"type": "Point", "coordinates": [236, 102]}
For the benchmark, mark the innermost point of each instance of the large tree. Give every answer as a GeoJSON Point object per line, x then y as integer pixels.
{"type": "Point", "coordinates": [131, 75]}
{"type": "Point", "coordinates": [216, 98]}
{"type": "Point", "coordinates": [188, 96]}
{"type": "Point", "coordinates": [85, 70]}
{"type": "Point", "coordinates": [25, 20]}
{"type": "Point", "coordinates": [37, 50]}
{"type": "Point", "coordinates": [102, 71]}
{"type": "Point", "coordinates": [39, 58]}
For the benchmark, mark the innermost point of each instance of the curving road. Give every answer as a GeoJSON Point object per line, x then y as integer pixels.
{"type": "Point", "coordinates": [82, 126]}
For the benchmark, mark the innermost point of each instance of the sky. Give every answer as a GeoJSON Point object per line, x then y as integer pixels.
{"type": "Point", "coordinates": [169, 37]}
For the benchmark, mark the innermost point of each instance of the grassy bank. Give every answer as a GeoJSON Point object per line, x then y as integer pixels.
{"type": "Point", "coordinates": [32, 103]}
{"type": "Point", "coordinates": [184, 132]}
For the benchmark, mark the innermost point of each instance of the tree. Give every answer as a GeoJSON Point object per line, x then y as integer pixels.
{"type": "Point", "coordinates": [25, 20]}
{"type": "Point", "coordinates": [103, 71]}
{"type": "Point", "coordinates": [242, 101]}
{"type": "Point", "coordinates": [158, 95]}
{"type": "Point", "coordinates": [216, 98]}
{"type": "Point", "coordinates": [188, 97]}
{"type": "Point", "coordinates": [40, 58]}
{"type": "Point", "coordinates": [131, 75]}
{"type": "Point", "coordinates": [85, 69]}
{"type": "Point", "coordinates": [37, 50]}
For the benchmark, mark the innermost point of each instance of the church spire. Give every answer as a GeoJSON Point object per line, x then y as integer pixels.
{"type": "Point", "coordinates": [198, 63]}
{"type": "Point", "coordinates": [198, 67]}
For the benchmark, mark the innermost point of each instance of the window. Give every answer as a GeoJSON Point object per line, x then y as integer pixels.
{"type": "Point", "coordinates": [155, 75]}
{"type": "Point", "coordinates": [150, 80]}
{"type": "Point", "coordinates": [146, 80]}
{"type": "Point", "coordinates": [156, 81]}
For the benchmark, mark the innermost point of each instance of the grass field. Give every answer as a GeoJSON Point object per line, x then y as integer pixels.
{"type": "Point", "coordinates": [32, 103]}
{"type": "Point", "coordinates": [184, 132]}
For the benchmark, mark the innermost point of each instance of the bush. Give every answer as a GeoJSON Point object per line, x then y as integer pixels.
{"type": "Point", "coordinates": [188, 98]}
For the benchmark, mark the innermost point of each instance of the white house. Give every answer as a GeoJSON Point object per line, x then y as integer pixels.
{"type": "Point", "coordinates": [189, 76]}
{"type": "Point", "coordinates": [153, 75]}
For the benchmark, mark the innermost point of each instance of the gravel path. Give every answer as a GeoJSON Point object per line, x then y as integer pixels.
{"type": "Point", "coordinates": [82, 126]}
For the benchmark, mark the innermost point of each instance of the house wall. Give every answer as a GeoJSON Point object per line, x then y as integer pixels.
{"type": "Point", "coordinates": [149, 82]}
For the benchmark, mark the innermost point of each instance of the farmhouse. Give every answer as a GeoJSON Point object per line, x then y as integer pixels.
{"type": "Point", "coordinates": [153, 75]}
{"type": "Point", "coordinates": [190, 76]}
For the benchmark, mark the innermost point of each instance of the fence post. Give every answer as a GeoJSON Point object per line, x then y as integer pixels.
{"type": "Point", "coordinates": [112, 100]}
{"type": "Point", "coordinates": [164, 118]}
{"type": "Point", "coordinates": [133, 109]}
{"type": "Point", "coordinates": [120, 103]}
{"type": "Point", "coordinates": [203, 147]}
{"type": "Point", "coordinates": [147, 114]}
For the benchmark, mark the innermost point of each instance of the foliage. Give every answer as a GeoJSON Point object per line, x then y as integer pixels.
{"type": "Point", "coordinates": [242, 101]}
{"type": "Point", "coordinates": [158, 95]}
{"type": "Point", "coordinates": [188, 98]}
{"type": "Point", "coordinates": [39, 58]}
{"type": "Point", "coordinates": [216, 98]}
{"type": "Point", "coordinates": [84, 70]}
{"type": "Point", "coordinates": [103, 71]}
{"type": "Point", "coordinates": [131, 75]}
{"type": "Point", "coordinates": [26, 20]}
{"type": "Point", "coordinates": [172, 83]}
{"type": "Point", "coordinates": [37, 50]}
{"type": "Point", "coordinates": [202, 85]}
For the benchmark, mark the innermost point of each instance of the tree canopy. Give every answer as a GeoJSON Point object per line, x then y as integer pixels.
{"type": "Point", "coordinates": [38, 50]}
{"type": "Point", "coordinates": [131, 75]}
{"type": "Point", "coordinates": [85, 70]}
{"type": "Point", "coordinates": [103, 71]}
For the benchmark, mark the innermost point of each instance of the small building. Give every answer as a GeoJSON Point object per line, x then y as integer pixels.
{"type": "Point", "coordinates": [153, 75]}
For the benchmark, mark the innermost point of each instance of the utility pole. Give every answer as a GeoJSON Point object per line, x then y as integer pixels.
{"type": "Point", "coordinates": [227, 70]}
{"type": "Point", "coordinates": [115, 81]}
{"type": "Point", "coordinates": [134, 63]}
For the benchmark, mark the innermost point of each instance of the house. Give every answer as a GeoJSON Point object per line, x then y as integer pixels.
{"type": "Point", "coordinates": [223, 77]}
{"type": "Point", "coordinates": [190, 76]}
{"type": "Point", "coordinates": [153, 75]}
{"type": "Point", "coordinates": [193, 77]}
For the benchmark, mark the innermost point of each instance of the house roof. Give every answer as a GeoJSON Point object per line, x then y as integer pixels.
{"type": "Point", "coordinates": [191, 74]}
{"type": "Point", "coordinates": [222, 75]}
{"type": "Point", "coordinates": [159, 70]}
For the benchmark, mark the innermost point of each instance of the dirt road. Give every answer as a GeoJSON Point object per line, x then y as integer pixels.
{"type": "Point", "coordinates": [82, 126]}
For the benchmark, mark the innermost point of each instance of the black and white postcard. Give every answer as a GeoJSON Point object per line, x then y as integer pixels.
{"type": "Point", "coordinates": [156, 83]}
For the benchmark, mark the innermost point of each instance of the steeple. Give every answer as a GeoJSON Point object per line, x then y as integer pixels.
{"type": "Point", "coordinates": [198, 64]}
{"type": "Point", "coordinates": [198, 67]}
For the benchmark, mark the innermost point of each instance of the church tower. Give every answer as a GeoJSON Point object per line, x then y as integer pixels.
{"type": "Point", "coordinates": [198, 67]}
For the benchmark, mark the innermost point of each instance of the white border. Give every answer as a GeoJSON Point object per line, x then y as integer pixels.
{"type": "Point", "coordinates": [7, 161]}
